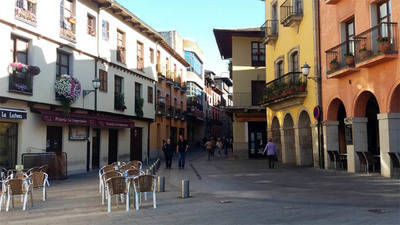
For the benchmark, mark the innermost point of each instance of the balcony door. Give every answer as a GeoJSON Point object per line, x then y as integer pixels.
{"type": "Point", "coordinates": [350, 33]}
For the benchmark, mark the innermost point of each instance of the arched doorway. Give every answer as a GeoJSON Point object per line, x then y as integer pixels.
{"type": "Point", "coordinates": [371, 112]}
{"type": "Point", "coordinates": [341, 115]}
{"type": "Point", "coordinates": [289, 155]}
{"type": "Point", "coordinates": [276, 136]}
{"type": "Point", "coordinates": [305, 140]}
{"type": "Point", "coordinates": [395, 100]}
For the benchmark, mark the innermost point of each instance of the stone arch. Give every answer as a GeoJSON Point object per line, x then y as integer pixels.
{"type": "Point", "coordinates": [289, 151]}
{"type": "Point", "coordinates": [305, 140]}
{"type": "Point", "coordinates": [333, 109]}
{"type": "Point", "coordinates": [276, 136]}
{"type": "Point", "coordinates": [360, 103]}
{"type": "Point", "coordinates": [394, 103]}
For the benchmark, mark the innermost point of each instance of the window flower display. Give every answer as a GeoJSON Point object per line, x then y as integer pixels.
{"type": "Point", "coordinates": [21, 77]}
{"type": "Point", "coordinates": [68, 90]}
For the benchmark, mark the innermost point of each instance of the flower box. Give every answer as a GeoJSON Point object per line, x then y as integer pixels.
{"type": "Point", "coordinates": [384, 46]}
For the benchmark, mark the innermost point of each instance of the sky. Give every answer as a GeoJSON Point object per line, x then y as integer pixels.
{"type": "Point", "coordinates": [196, 19]}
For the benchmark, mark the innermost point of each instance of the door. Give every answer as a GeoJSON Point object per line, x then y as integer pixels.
{"type": "Point", "coordinates": [112, 146]}
{"type": "Point", "coordinates": [8, 144]}
{"type": "Point", "coordinates": [174, 137]}
{"type": "Point", "coordinates": [54, 139]}
{"type": "Point", "coordinates": [136, 143]}
{"type": "Point", "coordinates": [257, 138]}
{"type": "Point", "coordinates": [96, 149]}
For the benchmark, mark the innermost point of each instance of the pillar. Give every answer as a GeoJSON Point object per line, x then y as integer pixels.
{"type": "Point", "coordinates": [283, 147]}
{"type": "Point", "coordinates": [297, 146]}
{"type": "Point", "coordinates": [331, 140]}
{"type": "Point", "coordinates": [389, 141]}
{"type": "Point", "coordinates": [360, 142]}
{"type": "Point", "coordinates": [315, 146]}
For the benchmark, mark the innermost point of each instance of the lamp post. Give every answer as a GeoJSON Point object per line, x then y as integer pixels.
{"type": "Point", "coordinates": [305, 70]}
{"type": "Point", "coordinates": [95, 85]}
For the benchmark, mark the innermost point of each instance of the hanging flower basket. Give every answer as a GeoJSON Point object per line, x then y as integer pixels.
{"type": "Point", "coordinates": [71, 20]}
{"type": "Point", "coordinates": [68, 90]}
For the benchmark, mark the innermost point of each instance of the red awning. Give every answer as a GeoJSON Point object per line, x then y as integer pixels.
{"type": "Point", "coordinates": [85, 119]}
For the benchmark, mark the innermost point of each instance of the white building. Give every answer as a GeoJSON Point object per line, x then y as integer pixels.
{"type": "Point", "coordinates": [86, 39]}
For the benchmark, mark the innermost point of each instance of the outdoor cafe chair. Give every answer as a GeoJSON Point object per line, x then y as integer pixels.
{"type": "Point", "coordinates": [372, 162]}
{"type": "Point", "coordinates": [105, 177]}
{"type": "Point", "coordinates": [332, 159]}
{"type": "Point", "coordinates": [17, 188]}
{"type": "Point", "coordinates": [363, 162]}
{"type": "Point", "coordinates": [2, 194]}
{"type": "Point", "coordinates": [117, 186]}
{"type": "Point", "coordinates": [145, 184]}
{"type": "Point", "coordinates": [33, 169]}
{"type": "Point", "coordinates": [103, 170]}
{"type": "Point", "coordinates": [135, 163]}
{"type": "Point", "coordinates": [39, 180]}
{"type": "Point", "coordinates": [395, 164]}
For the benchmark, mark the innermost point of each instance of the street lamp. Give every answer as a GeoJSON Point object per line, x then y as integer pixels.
{"type": "Point", "coordinates": [305, 70]}
{"type": "Point", "coordinates": [95, 85]}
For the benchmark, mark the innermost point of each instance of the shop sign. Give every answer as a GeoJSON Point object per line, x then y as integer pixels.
{"type": "Point", "coordinates": [7, 113]}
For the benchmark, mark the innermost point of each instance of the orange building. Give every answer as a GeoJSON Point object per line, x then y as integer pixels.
{"type": "Point", "coordinates": [360, 70]}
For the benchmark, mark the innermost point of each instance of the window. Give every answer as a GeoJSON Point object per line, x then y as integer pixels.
{"type": "Point", "coordinates": [350, 33]}
{"type": "Point", "coordinates": [140, 58]}
{"type": "Point", "coordinates": [25, 11]}
{"type": "Point", "coordinates": [105, 30]}
{"type": "Point", "coordinates": [151, 55]}
{"type": "Point", "coordinates": [150, 95]}
{"type": "Point", "coordinates": [20, 81]}
{"type": "Point", "coordinates": [257, 54]}
{"type": "Point", "coordinates": [384, 11]}
{"type": "Point", "coordinates": [119, 98]}
{"type": "Point", "coordinates": [62, 64]}
{"type": "Point", "coordinates": [196, 65]}
{"type": "Point", "coordinates": [67, 20]}
{"type": "Point", "coordinates": [138, 90]}
{"type": "Point", "coordinates": [294, 62]}
{"type": "Point", "coordinates": [121, 48]}
{"type": "Point", "coordinates": [158, 62]}
{"type": "Point", "coordinates": [167, 67]}
{"type": "Point", "coordinates": [91, 25]}
{"type": "Point", "coordinates": [103, 76]}
{"type": "Point", "coordinates": [279, 70]}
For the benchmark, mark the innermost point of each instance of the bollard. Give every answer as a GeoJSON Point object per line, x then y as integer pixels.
{"type": "Point", "coordinates": [185, 189]}
{"type": "Point", "coordinates": [161, 184]}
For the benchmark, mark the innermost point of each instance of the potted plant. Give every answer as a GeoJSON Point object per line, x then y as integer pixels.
{"type": "Point", "coordinates": [301, 86]}
{"type": "Point", "coordinates": [384, 44]}
{"type": "Point", "coordinates": [349, 59]}
{"type": "Point", "coordinates": [364, 52]}
{"type": "Point", "coordinates": [139, 106]}
{"type": "Point", "coordinates": [333, 64]}
{"type": "Point", "coordinates": [120, 101]}
{"type": "Point", "coordinates": [68, 90]}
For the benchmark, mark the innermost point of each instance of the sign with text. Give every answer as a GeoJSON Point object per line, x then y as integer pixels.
{"type": "Point", "coordinates": [8, 113]}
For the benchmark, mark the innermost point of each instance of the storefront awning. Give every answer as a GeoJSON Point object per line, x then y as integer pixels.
{"type": "Point", "coordinates": [85, 119]}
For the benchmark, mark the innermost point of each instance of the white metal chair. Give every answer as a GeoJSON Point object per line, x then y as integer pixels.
{"type": "Point", "coordinates": [145, 184]}
{"type": "Point", "coordinates": [39, 180]}
{"type": "Point", "coordinates": [17, 188]}
{"type": "Point", "coordinates": [105, 177]}
{"type": "Point", "coordinates": [103, 170]}
{"type": "Point", "coordinates": [117, 186]}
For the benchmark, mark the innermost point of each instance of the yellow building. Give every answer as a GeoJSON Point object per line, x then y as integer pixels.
{"type": "Point", "coordinates": [290, 41]}
{"type": "Point", "coordinates": [246, 52]}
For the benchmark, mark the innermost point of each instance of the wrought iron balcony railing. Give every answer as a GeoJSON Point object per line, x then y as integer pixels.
{"type": "Point", "coordinates": [340, 56]}
{"type": "Point", "coordinates": [288, 85]}
{"type": "Point", "coordinates": [270, 30]}
{"type": "Point", "coordinates": [291, 11]}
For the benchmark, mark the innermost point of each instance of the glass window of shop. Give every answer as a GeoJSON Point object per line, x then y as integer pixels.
{"type": "Point", "coordinates": [8, 144]}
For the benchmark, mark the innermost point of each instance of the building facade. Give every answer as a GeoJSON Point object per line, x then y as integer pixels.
{"type": "Point", "coordinates": [196, 97]}
{"type": "Point", "coordinates": [87, 40]}
{"type": "Point", "coordinates": [171, 97]}
{"type": "Point", "coordinates": [361, 83]}
{"type": "Point", "coordinates": [289, 96]}
{"type": "Point", "coordinates": [245, 50]}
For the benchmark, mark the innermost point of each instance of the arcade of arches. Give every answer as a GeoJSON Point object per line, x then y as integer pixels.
{"type": "Point", "coordinates": [371, 130]}
{"type": "Point", "coordinates": [294, 141]}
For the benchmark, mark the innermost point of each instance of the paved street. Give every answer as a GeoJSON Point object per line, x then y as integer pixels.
{"type": "Point", "coordinates": [250, 194]}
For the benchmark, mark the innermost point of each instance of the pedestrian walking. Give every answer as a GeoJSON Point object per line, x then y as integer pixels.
{"type": "Point", "coordinates": [226, 143]}
{"type": "Point", "coordinates": [169, 153]}
{"type": "Point", "coordinates": [270, 150]}
{"type": "Point", "coordinates": [219, 146]}
{"type": "Point", "coordinates": [182, 148]}
{"type": "Point", "coordinates": [209, 148]}
{"type": "Point", "coordinates": [164, 150]}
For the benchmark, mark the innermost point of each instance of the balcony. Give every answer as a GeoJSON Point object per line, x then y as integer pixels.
{"type": "Point", "coordinates": [26, 13]}
{"type": "Point", "coordinates": [340, 60]}
{"type": "Point", "coordinates": [270, 31]}
{"type": "Point", "coordinates": [160, 109]}
{"type": "Point", "coordinates": [291, 12]}
{"type": "Point", "coordinates": [286, 91]}
{"type": "Point", "coordinates": [376, 45]}
{"type": "Point", "coordinates": [177, 114]}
